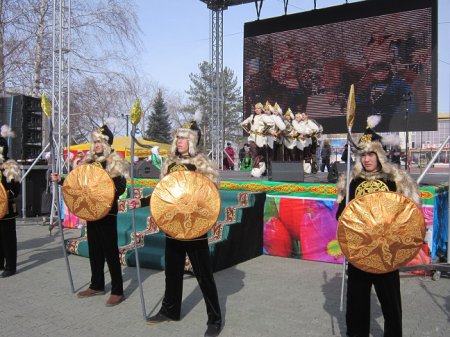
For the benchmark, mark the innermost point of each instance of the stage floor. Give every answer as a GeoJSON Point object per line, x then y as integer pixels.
{"type": "Point", "coordinates": [321, 177]}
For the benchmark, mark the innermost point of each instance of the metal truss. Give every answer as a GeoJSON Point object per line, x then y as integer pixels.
{"type": "Point", "coordinates": [60, 96]}
{"type": "Point", "coordinates": [217, 101]}
{"type": "Point", "coordinates": [216, 136]}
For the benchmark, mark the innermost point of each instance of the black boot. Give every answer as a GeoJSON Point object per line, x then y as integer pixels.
{"type": "Point", "coordinates": [8, 273]}
{"type": "Point", "coordinates": [213, 330]}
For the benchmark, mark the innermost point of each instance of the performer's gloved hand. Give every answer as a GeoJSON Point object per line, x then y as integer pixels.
{"type": "Point", "coordinates": [55, 177]}
{"type": "Point", "coordinates": [134, 203]}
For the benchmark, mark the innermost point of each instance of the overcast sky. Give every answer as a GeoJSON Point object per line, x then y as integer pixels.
{"type": "Point", "coordinates": [177, 38]}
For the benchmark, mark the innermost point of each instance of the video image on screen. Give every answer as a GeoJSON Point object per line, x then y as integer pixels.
{"type": "Point", "coordinates": [308, 61]}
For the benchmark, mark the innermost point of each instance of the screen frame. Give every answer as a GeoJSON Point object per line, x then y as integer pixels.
{"type": "Point", "coordinates": [346, 12]}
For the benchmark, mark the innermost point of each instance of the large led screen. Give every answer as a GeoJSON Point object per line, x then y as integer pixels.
{"type": "Point", "coordinates": [308, 61]}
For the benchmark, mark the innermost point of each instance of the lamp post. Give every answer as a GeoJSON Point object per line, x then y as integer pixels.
{"type": "Point", "coordinates": [126, 118]}
{"type": "Point", "coordinates": [407, 99]}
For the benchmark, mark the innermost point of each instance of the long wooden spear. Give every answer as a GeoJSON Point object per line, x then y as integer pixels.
{"type": "Point", "coordinates": [135, 116]}
{"type": "Point", "coordinates": [351, 107]}
{"type": "Point", "coordinates": [47, 109]}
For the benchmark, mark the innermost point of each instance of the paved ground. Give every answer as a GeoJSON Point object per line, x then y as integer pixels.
{"type": "Point", "coordinates": [266, 296]}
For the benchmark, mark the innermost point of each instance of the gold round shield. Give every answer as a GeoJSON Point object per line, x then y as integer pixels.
{"type": "Point", "coordinates": [88, 192]}
{"type": "Point", "coordinates": [3, 201]}
{"type": "Point", "coordinates": [185, 204]}
{"type": "Point", "coordinates": [381, 232]}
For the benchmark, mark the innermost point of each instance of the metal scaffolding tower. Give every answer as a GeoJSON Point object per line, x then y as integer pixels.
{"type": "Point", "coordinates": [60, 96]}
{"type": "Point", "coordinates": [217, 100]}
{"type": "Point", "coordinates": [217, 141]}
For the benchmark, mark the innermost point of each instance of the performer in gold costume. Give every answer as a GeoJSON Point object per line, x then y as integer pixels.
{"type": "Point", "coordinates": [102, 233]}
{"type": "Point", "coordinates": [185, 157]}
{"type": "Point", "coordinates": [373, 173]}
{"type": "Point", "coordinates": [10, 180]}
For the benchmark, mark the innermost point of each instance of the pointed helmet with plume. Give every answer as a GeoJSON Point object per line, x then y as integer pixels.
{"type": "Point", "coordinates": [192, 132]}
{"type": "Point", "coordinates": [370, 135]}
{"type": "Point", "coordinates": [106, 137]}
{"type": "Point", "coordinates": [289, 113]}
{"type": "Point", "coordinates": [259, 106]}
{"type": "Point", "coordinates": [371, 141]}
{"type": "Point", "coordinates": [104, 134]}
{"type": "Point", "coordinates": [277, 109]}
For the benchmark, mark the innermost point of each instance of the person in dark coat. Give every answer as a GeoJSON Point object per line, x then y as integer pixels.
{"type": "Point", "coordinates": [185, 157]}
{"type": "Point", "coordinates": [102, 233]}
{"type": "Point", "coordinates": [325, 155]}
{"type": "Point", "coordinates": [373, 173]}
{"type": "Point", "coordinates": [10, 178]}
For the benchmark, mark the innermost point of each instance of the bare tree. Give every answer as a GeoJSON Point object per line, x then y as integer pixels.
{"type": "Point", "coordinates": [11, 42]}
{"type": "Point", "coordinates": [105, 46]}
{"type": "Point", "coordinates": [104, 36]}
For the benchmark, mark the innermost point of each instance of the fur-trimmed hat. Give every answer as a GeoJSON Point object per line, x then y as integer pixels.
{"type": "Point", "coordinates": [192, 132]}
{"type": "Point", "coordinates": [103, 133]}
{"type": "Point", "coordinates": [370, 140]}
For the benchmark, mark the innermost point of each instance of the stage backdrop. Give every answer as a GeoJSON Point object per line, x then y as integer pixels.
{"type": "Point", "coordinates": [303, 225]}
{"type": "Point", "coordinates": [308, 61]}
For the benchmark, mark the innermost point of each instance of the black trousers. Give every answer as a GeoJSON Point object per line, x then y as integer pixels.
{"type": "Point", "coordinates": [277, 151]}
{"type": "Point", "coordinates": [8, 244]}
{"type": "Point", "coordinates": [387, 288]}
{"type": "Point", "coordinates": [325, 163]}
{"type": "Point", "coordinates": [198, 253]}
{"type": "Point", "coordinates": [307, 154]}
{"type": "Point", "coordinates": [289, 154]}
{"type": "Point", "coordinates": [103, 246]}
{"type": "Point", "coordinates": [299, 154]}
{"type": "Point", "coordinates": [268, 155]}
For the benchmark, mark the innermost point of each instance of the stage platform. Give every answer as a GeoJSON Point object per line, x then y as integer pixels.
{"type": "Point", "coordinates": [287, 219]}
{"type": "Point", "coordinates": [299, 218]}
{"type": "Point", "coordinates": [433, 178]}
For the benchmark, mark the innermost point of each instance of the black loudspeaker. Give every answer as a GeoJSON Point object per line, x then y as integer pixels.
{"type": "Point", "coordinates": [145, 169]}
{"type": "Point", "coordinates": [36, 186]}
{"type": "Point", "coordinates": [24, 115]}
{"type": "Point", "coordinates": [335, 171]}
{"type": "Point", "coordinates": [291, 171]}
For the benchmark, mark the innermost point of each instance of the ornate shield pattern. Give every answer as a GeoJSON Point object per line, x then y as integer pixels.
{"type": "Point", "coordinates": [88, 192]}
{"type": "Point", "coordinates": [3, 201]}
{"type": "Point", "coordinates": [185, 204]}
{"type": "Point", "coordinates": [381, 232]}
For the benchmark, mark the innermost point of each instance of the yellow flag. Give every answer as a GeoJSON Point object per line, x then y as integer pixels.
{"type": "Point", "coordinates": [46, 105]}
{"type": "Point", "coordinates": [351, 107]}
{"type": "Point", "coordinates": [136, 112]}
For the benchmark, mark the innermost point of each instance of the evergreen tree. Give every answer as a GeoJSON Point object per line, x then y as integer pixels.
{"type": "Point", "coordinates": [159, 128]}
{"type": "Point", "coordinates": [200, 97]}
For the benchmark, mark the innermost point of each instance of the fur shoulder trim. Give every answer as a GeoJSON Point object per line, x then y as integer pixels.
{"type": "Point", "coordinates": [407, 186]}
{"type": "Point", "coordinates": [117, 166]}
{"type": "Point", "coordinates": [202, 163]}
{"type": "Point", "coordinates": [341, 187]}
{"type": "Point", "coordinates": [11, 170]}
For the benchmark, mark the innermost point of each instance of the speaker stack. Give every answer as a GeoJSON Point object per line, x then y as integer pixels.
{"type": "Point", "coordinates": [287, 171]}
{"type": "Point", "coordinates": [146, 169]}
{"type": "Point", "coordinates": [24, 115]}
{"type": "Point", "coordinates": [336, 169]}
